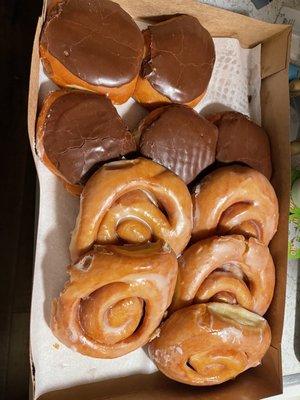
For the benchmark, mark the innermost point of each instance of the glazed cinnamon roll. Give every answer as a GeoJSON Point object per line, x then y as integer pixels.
{"type": "Point", "coordinates": [207, 344]}
{"type": "Point", "coordinates": [231, 269]}
{"type": "Point", "coordinates": [235, 199]}
{"type": "Point", "coordinates": [133, 202]}
{"type": "Point", "coordinates": [115, 298]}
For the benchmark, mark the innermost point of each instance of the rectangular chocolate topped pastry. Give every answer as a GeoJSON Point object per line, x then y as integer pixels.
{"type": "Point", "coordinates": [77, 131]}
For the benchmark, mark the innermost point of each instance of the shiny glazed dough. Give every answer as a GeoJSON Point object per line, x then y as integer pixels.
{"type": "Point", "coordinates": [228, 268]}
{"type": "Point", "coordinates": [133, 201]}
{"type": "Point", "coordinates": [115, 298]}
{"type": "Point", "coordinates": [207, 344]}
{"type": "Point", "coordinates": [235, 199]}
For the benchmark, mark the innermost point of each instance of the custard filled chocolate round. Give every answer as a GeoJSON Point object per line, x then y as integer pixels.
{"type": "Point", "coordinates": [180, 61]}
{"type": "Point", "coordinates": [242, 140]}
{"type": "Point", "coordinates": [180, 139]}
{"type": "Point", "coordinates": [97, 41]}
{"type": "Point", "coordinates": [79, 130]}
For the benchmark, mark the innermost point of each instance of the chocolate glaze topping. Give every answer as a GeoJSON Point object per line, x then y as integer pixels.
{"type": "Point", "coordinates": [181, 58]}
{"type": "Point", "coordinates": [179, 139]}
{"type": "Point", "coordinates": [81, 130]}
{"type": "Point", "coordinates": [96, 40]}
{"type": "Point", "coordinates": [242, 140]}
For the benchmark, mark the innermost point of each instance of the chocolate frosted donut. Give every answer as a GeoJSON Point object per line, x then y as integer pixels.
{"type": "Point", "coordinates": [78, 130]}
{"type": "Point", "coordinates": [180, 139]}
{"type": "Point", "coordinates": [242, 140]}
{"type": "Point", "coordinates": [178, 64]}
{"type": "Point", "coordinates": [93, 45]}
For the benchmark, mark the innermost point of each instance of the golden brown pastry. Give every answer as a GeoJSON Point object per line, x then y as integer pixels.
{"type": "Point", "coordinates": [235, 199]}
{"type": "Point", "coordinates": [115, 298]}
{"type": "Point", "coordinates": [228, 268]}
{"type": "Point", "coordinates": [178, 63]}
{"type": "Point", "coordinates": [92, 45]}
{"type": "Point", "coordinates": [133, 201]}
{"type": "Point", "coordinates": [207, 344]}
{"type": "Point", "coordinates": [76, 131]}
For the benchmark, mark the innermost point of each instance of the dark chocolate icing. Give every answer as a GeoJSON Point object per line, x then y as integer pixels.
{"type": "Point", "coordinates": [181, 58]}
{"type": "Point", "coordinates": [96, 40]}
{"type": "Point", "coordinates": [242, 140]}
{"type": "Point", "coordinates": [179, 139]}
{"type": "Point", "coordinates": [82, 129]}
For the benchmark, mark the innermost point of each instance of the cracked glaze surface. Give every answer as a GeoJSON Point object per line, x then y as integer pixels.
{"type": "Point", "coordinates": [115, 299]}
{"type": "Point", "coordinates": [239, 270]}
{"type": "Point", "coordinates": [138, 196]}
{"type": "Point", "coordinates": [235, 199]}
{"type": "Point", "coordinates": [82, 129]}
{"type": "Point", "coordinates": [95, 40]}
{"type": "Point", "coordinates": [181, 59]}
{"type": "Point", "coordinates": [207, 344]}
{"type": "Point", "coordinates": [179, 139]}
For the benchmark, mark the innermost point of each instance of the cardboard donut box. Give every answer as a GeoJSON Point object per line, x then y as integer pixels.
{"type": "Point", "coordinates": [265, 380]}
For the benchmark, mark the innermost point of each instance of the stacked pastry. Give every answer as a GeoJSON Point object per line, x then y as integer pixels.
{"type": "Point", "coordinates": [186, 269]}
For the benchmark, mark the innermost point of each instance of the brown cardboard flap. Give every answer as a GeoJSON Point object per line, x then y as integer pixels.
{"type": "Point", "coordinates": [275, 119]}
{"type": "Point", "coordinates": [255, 384]}
{"type": "Point", "coordinates": [222, 23]}
{"type": "Point", "coordinates": [219, 22]}
{"type": "Point", "coordinates": [275, 53]}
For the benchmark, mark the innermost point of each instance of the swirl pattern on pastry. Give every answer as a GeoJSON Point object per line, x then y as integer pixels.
{"type": "Point", "coordinates": [207, 344]}
{"type": "Point", "coordinates": [133, 201]}
{"type": "Point", "coordinates": [235, 199]}
{"type": "Point", "coordinates": [115, 298]}
{"type": "Point", "coordinates": [231, 269]}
